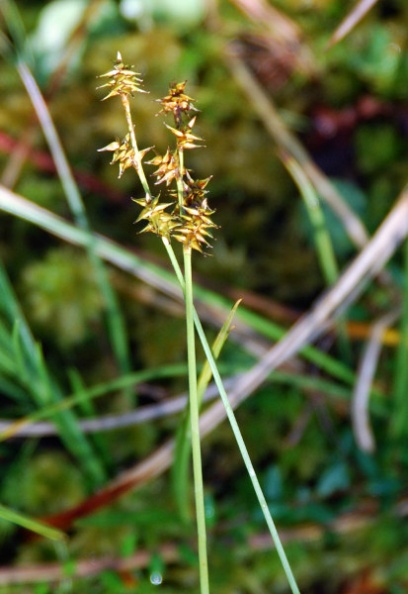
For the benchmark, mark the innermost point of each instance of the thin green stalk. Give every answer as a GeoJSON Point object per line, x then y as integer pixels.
{"type": "Point", "coordinates": [324, 246]}
{"type": "Point", "coordinates": [194, 400]}
{"type": "Point", "coordinates": [180, 469]}
{"type": "Point", "coordinates": [195, 426]}
{"type": "Point", "coordinates": [34, 525]}
{"type": "Point", "coordinates": [191, 355]}
{"type": "Point", "coordinates": [247, 461]}
{"type": "Point", "coordinates": [236, 430]}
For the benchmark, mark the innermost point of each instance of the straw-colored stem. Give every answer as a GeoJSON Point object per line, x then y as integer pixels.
{"type": "Point", "coordinates": [138, 161]}
{"type": "Point", "coordinates": [180, 190]}
{"type": "Point", "coordinates": [195, 427]}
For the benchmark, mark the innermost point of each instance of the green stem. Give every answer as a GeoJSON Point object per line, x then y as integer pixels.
{"type": "Point", "coordinates": [247, 461]}
{"type": "Point", "coordinates": [10, 515]}
{"type": "Point", "coordinates": [324, 246]}
{"type": "Point", "coordinates": [195, 425]}
{"type": "Point", "coordinates": [323, 243]}
{"type": "Point", "coordinates": [236, 430]}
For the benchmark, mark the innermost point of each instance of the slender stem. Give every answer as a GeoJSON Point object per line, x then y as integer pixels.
{"type": "Point", "coordinates": [192, 320]}
{"type": "Point", "coordinates": [194, 398]}
{"type": "Point", "coordinates": [138, 161]}
{"type": "Point", "coordinates": [195, 426]}
{"type": "Point", "coordinates": [9, 515]}
{"type": "Point", "coordinates": [180, 189]}
{"type": "Point", "coordinates": [324, 246]}
{"type": "Point", "coordinates": [247, 460]}
{"type": "Point", "coordinates": [236, 430]}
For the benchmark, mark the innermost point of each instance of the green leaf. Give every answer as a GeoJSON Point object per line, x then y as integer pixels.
{"type": "Point", "coordinates": [30, 524]}
{"type": "Point", "coordinates": [32, 374]}
{"type": "Point", "coordinates": [335, 478]}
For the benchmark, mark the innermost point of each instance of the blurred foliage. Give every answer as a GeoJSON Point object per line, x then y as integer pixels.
{"type": "Point", "coordinates": [336, 504]}
{"type": "Point", "coordinates": [61, 294]}
{"type": "Point", "coordinates": [49, 478]}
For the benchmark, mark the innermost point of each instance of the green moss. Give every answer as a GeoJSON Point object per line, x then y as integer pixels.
{"type": "Point", "coordinates": [61, 296]}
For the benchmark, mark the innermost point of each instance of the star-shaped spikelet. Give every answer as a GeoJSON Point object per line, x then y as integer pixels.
{"type": "Point", "coordinates": [123, 80]}
{"type": "Point", "coordinates": [177, 101]}
{"type": "Point", "coordinates": [123, 154]}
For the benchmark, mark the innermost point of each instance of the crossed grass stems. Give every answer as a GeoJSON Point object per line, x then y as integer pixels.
{"type": "Point", "coordinates": [186, 218]}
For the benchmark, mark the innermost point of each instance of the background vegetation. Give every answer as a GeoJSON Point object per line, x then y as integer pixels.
{"type": "Point", "coordinates": [295, 122]}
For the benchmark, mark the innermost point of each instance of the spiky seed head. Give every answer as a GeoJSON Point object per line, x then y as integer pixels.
{"type": "Point", "coordinates": [123, 80]}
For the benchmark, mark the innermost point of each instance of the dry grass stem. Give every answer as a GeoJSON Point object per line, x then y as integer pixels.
{"type": "Point", "coordinates": [351, 20]}
{"type": "Point", "coordinates": [367, 368]}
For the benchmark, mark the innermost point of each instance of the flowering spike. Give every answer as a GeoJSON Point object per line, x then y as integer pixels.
{"type": "Point", "coordinates": [185, 139]}
{"type": "Point", "coordinates": [187, 217]}
{"type": "Point", "coordinates": [123, 80]}
{"type": "Point", "coordinates": [176, 101]}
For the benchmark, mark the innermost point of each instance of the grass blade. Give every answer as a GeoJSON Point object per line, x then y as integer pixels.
{"type": "Point", "coordinates": [25, 522]}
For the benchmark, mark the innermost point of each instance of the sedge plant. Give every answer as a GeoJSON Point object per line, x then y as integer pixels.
{"type": "Point", "coordinates": [184, 216]}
